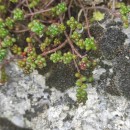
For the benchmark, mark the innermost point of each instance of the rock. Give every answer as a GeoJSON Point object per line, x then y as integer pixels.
{"type": "Point", "coordinates": [121, 78]}
{"type": "Point", "coordinates": [57, 77]}
{"type": "Point", "coordinates": [114, 45]}
{"type": "Point", "coordinates": [28, 102]}
{"type": "Point", "coordinates": [8, 125]}
{"type": "Point", "coordinates": [38, 108]}
{"type": "Point", "coordinates": [112, 42]}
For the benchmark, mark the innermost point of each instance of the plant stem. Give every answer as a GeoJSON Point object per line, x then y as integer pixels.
{"type": "Point", "coordinates": [21, 31]}
{"type": "Point", "coordinates": [49, 3]}
{"type": "Point", "coordinates": [72, 46]}
{"type": "Point", "coordinates": [38, 12]}
{"type": "Point", "coordinates": [55, 49]}
{"type": "Point", "coordinates": [86, 19]}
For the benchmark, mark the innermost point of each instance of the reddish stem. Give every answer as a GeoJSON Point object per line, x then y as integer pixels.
{"type": "Point", "coordinates": [69, 12]}
{"type": "Point", "coordinates": [72, 46]}
{"type": "Point", "coordinates": [21, 31]}
{"type": "Point", "coordinates": [87, 24]}
{"type": "Point", "coordinates": [76, 64]}
{"type": "Point", "coordinates": [86, 19]}
{"type": "Point", "coordinates": [20, 3]}
{"type": "Point", "coordinates": [38, 12]}
{"type": "Point", "coordinates": [28, 6]}
{"type": "Point", "coordinates": [49, 3]}
{"type": "Point", "coordinates": [55, 49]}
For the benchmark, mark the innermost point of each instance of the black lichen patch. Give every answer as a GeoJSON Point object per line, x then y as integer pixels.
{"type": "Point", "coordinates": [68, 118]}
{"type": "Point", "coordinates": [119, 81]}
{"type": "Point", "coordinates": [122, 69]}
{"type": "Point", "coordinates": [112, 48]}
{"type": "Point", "coordinates": [62, 77]}
{"type": "Point", "coordinates": [97, 32]}
{"type": "Point", "coordinates": [5, 124]}
{"type": "Point", "coordinates": [112, 23]}
{"type": "Point", "coordinates": [59, 75]}
{"type": "Point", "coordinates": [69, 101]}
{"type": "Point", "coordinates": [40, 107]}
{"type": "Point", "coordinates": [112, 42]}
{"type": "Point", "coordinates": [37, 109]}
{"type": "Point", "coordinates": [113, 89]}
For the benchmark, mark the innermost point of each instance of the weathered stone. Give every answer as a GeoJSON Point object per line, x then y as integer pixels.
{"type": "Point", "coordinates": [112, 42]}
{"type": "Point", "coordinates": [8, 125]}
{"type": "Point", "coordinates": [122, 72]}
{"type": "Point", "coordinates": [59, 75]}
{"type": "Point", "coordinates": [112, 45]}
{"type": "Point", "coordinates": [24, 98]}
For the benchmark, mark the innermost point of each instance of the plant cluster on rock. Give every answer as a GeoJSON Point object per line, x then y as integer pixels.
{"type": "Point", "coordinates": [36, 31]}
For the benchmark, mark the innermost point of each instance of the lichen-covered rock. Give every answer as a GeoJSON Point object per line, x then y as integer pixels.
{"type": "Point", "coordinates": [112, 42]}
{"type": "Point", "coordinates": [116, 80]}
{"type": "Point", "coordinates": [28, 102]}
{"type": "Point", "coordinates": [8, 125]}
{"type": "Point", "coordinates": [122, 71]}
{"type": "Point", "coordinates": [59, 75]}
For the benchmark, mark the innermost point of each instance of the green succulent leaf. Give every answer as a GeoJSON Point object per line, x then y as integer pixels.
{"type": "Point", "coordinates": [98, 16]}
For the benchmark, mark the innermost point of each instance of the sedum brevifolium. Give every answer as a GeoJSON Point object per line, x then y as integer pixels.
{"type": "Point", "coordinates": [36, 31]}
{"type": "Point", "coordinates": [124, 11]}
{"type": "Point", "coordinates": [36, 26]}
{"type": "Point", "coordinates": [59, 9]}
{"type": "Point", "coordinates": [18, 14]}
{"type": "Point", "coordinates": [3, 53]}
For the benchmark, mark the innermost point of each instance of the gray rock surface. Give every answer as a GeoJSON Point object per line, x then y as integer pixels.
{"type": "Point", "coordinates": [8, 125]}
{"type": "Point", "coordinates": [29, 103]}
